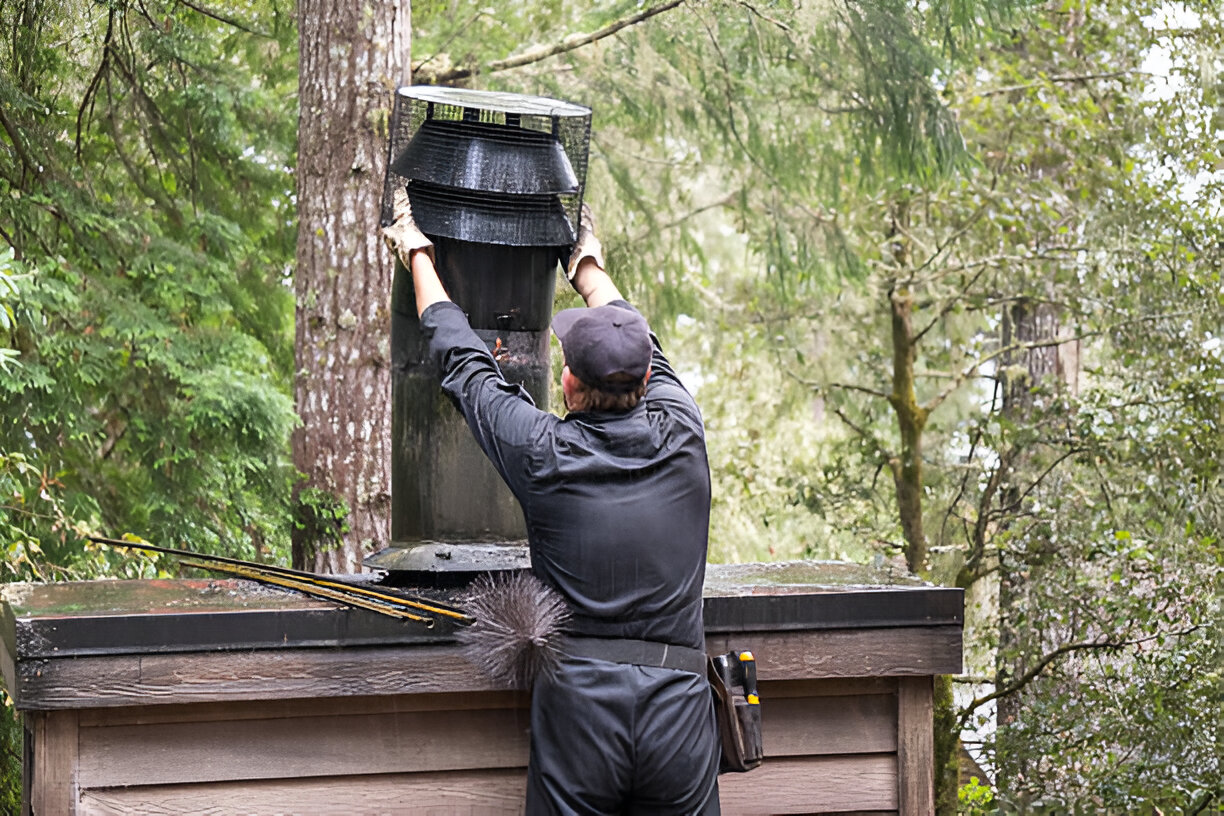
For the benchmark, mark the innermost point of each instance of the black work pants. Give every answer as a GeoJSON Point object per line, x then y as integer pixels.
{"type": "Point", "coordinates": [610, 738]}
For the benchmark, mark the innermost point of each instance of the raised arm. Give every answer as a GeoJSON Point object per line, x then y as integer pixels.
{"type": "Point", "coordinates": [586, 266]}
{"type": "Point", "coordinates": [417, 254]}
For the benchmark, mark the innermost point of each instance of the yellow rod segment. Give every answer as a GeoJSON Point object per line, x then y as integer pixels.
{"type": "Point", "coordinates": [385, 607]}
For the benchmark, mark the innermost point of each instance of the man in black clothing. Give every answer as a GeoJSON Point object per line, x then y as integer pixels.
{"type": "Point", "coordinates": [616, 497]}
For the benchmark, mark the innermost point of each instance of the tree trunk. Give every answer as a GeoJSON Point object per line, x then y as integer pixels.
{"type": "Point", "coordinates": [911, 420]}
{"type": "Point", "coordinates": [353, 55]}
{"type": "Point", "coordinates": [906, 466]}
{"type": "Point", "coordinates": [1024, 323]}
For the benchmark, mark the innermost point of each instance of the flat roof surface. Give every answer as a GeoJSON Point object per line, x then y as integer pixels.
{"type": "Point", "coordinates": [202, 614]}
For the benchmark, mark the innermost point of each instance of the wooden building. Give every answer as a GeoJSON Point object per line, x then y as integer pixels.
{"type": "Point", "coordinates": [223, 697]}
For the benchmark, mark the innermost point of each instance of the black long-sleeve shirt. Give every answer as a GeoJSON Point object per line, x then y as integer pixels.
{"type": "Point", "coordinates": [617, 505]}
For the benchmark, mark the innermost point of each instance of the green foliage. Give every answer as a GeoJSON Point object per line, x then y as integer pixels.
{"type": "Point", "coordinates": [322, 519]}
{"type": "Point", "coordinates": [148, 216]}
{"type": "Point", "coordinates": [975, 799]}
{"type": "Point", "coordinates": [11, 745]}
{"type": "Point", "coordinates": [146, 233]}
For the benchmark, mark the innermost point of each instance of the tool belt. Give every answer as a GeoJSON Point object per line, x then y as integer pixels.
{"type": "Point", "coordinates": [737, 706]}
{"type": "Point", "coordinates": [636, 652]}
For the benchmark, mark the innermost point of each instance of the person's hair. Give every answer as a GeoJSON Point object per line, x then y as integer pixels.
{"type": "Point", "coordinates": [589, 398]}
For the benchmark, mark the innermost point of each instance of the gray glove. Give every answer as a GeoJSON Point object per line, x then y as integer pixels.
{"type": "Point", "coordinates": [403, 236]}
{"type": "Point", "coordinates": [587, 245]}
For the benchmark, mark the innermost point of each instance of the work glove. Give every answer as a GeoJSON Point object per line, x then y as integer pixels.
{"type": "Point", "coordinates": [587, 245]}
{"type": "Point", "coordinates": [402, 235]}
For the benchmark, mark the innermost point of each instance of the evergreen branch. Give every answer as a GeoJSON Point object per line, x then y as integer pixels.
{"type": "Point", "coordinates": [156, 121]}
{"type": "Point", "coordinates": [134, 173]}
{"type": "Point", "coordinates": [144, 12]}
{"type": "Point", "coordinates": [732, 127]}
{"type": "Point", "coordinates": [1059, 79]}
{"type": "Point", "coordinates": [543, 52]}
{"type": "Point", "coordinates": [221, 18]}
{"type": "Point", "coordinates": [771, 20]}
{"type": "Point", "coordinates": [1067, 648]}
{"type": "Point", "coordinates": [860, 388]}
{"type": "Point", "coordinates": [680, 219]}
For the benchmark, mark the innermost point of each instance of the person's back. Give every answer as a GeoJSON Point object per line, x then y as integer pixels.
{"type": "Point", "coordinates": [617, 508]}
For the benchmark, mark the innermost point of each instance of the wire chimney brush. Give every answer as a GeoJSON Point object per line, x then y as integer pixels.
{"type": "Point", "coordinates": [519, 624]}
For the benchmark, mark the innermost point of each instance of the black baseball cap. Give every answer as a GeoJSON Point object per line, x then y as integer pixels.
{"type": "Point", "coordinates": [607, 347]}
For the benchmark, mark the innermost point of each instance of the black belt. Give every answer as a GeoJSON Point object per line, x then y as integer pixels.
{"type": "Point", "coordinates": [637, 652]}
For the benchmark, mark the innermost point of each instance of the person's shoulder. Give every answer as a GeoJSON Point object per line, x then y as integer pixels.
{"type": "Point", "coordinates": [681, 410]}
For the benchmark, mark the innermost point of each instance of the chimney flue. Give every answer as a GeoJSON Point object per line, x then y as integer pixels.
{"type": "Point", "coordinates": [496, 182]}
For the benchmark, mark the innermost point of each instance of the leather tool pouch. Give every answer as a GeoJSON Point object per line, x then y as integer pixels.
{"type": "Point", "coordinates": [737, 707]}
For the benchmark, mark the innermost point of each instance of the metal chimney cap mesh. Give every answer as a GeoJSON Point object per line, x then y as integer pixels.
{"type": "Point", "coordinates": [502, 120]}
{"type": "Point", "coordinates": [493, 103]}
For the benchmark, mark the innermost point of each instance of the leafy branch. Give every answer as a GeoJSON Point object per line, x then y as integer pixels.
{"type": "Point", "coordinates": [1067, 648]}
{"type": "Point", "coordinates": [221, 18]}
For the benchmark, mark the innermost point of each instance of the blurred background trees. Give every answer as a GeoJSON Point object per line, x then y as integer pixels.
{"type": "Point", "coordinates": [945, 278]}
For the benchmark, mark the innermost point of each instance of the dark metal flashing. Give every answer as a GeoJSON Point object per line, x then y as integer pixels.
{"type": "Point", "coordinates": [79, 619]}
{"type": "Point", "coordinates": [873, 608]}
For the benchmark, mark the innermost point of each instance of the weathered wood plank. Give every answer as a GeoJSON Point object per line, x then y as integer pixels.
{"type": "Point", "coordinates": [812, 785]}
{"type": "Point", "coordinates": [916, 746]}
{"type": "Point", "coordinates": [328, 706]}
{"type": "Point", "coordinates": [388, 742]}
{"type": "Point", "coordinates": [461, 793]}
{"type": "Point", "coordinates": [909, 651]}
{"type": "Point", "coordinates": [126, 680]}
{"type": "Point", "coordinates": [8, 666]}
{"type": "Point", "coordinates": [829, 725]}
{"type": "Point", "coordinates": [53, 783]}
{"type": "Point", "coordinates": [828, 687]}
{"type": "Point", "coordinates": [826, 785]}
{"type": "Point", "coordinates": [201, 677]}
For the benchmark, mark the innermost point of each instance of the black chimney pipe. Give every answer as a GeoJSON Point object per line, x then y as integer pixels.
{"type": "Point", "coordinates": [496, 182]}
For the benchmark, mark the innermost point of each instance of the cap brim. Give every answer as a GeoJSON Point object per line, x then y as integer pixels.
{"type": "Point", "coordinates": [564, 320]}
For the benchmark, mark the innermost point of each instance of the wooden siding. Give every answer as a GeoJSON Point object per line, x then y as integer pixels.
{"type": "Point", "coordinates": [833, 746]}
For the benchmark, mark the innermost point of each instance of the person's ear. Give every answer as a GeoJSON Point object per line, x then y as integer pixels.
{"type": "Point", "coordinates": [567, 385]}
{"type": "Point", "coordinates": [646, 379]}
